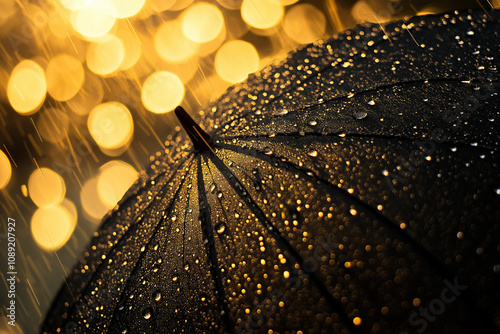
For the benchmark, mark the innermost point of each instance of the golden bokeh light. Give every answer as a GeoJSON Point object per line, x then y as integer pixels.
{"type": "Point", "coordinates": [304, 23]}
{"type": "Point", "coordinates": [73, 4]}
{"type": "Point", "coordinates": [90, 200]}
{"type": "Point", "coordinates": [261, 14]}
{"type": "Point", "coordinates": [27, 87]}
{"type": "Point", "coordinates": [181, 4]}
{"type": "Point", "coordinates": [92, 22]}
{"type": "Point", "coordinates": [71, 209]}
{"type": "Point", "coordinates": [88, 97]}
{"type": "Point", "coordinates": [162, 91]}
{"type": "Point", "coordinates": [51, 227]}
{"type": "Point", "coordinates": [53, 125]}
{"type": "Point", "coordinates": [230, 4]}
{"type": "Point", "coordinates": [111, 125]}
{"type": "Point", "coordinates": [5, 170]}
{"type": "Point", "coordinates": [235, 60]}
{"type": "Point", "coordinates": [160, 5]}
{"type": "Point", "coordinates": [124, 8]}
{"type": "Point", "coordinates": [202, 22]}
{"type": "Point", "coordinates": [171, 44]}
{"type": "Point", "coordinates": [46, 187]}
{"type": "Point", "coordinates": [131, 46]}
{"type": "Point", "coordinates": [24, 190]}
{"type": "Point", "coordinates": [106, 56]}
{"type": "Point", "coordinates": [207, 48]}
{"type": "Point", "coordinates": [65, 76]}
{"type": "Point", "coordinates": [284, 2]}
{"type": "Point", "coordinates": [114, 180]}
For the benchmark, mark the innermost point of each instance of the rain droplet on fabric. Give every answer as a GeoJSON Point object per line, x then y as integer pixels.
{"type": "Point", "coordinates": [312, 153]}
{"type": "Point", "coordinates": [146, 313]}
{"type": "Point", "coordinates": [313, 123]}
{"type": "Point", "coordinates": [157, 296]}
{"type": "Point", "coordinates": [220, 227]}
{"type": "Point", "coordinates": [282, 112]}
{"type": "Point", "coordinates": [371, 102]}
{"type": "Point", "coordinates": [360, 115]}
{"type": "Point", "coordinates": [268, 151]}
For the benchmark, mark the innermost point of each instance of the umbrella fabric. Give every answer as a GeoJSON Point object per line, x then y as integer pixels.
{"type": "Point", "coordinates": [351, 187]}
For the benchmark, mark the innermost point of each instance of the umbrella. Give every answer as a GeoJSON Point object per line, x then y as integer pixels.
{"type": "Point", "coordinates": [351, 187]}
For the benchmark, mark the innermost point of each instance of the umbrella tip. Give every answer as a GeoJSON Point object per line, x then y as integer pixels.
{"type": "Point", "coordinates": [199, 137]}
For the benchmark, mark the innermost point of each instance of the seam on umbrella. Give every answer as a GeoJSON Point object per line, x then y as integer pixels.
{"type": "Point", "coordinates": [440, 268]}
{"type": "Point", "coordinates": [283, 243]}
{"type": "Point", "coordinates": [354, 135]}
{"type": "Point", "coordinates": [206, 228]}
{"type": "Point", "coordinates": [126, 233]}
{"type": "Point", "coordinates": [157, 228]}
{"type": "Point", "coordinates": [337, 98]}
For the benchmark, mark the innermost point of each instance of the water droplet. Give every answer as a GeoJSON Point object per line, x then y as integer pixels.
{"type": "Point", "coordinates": [186, 267]}
{"type": "Point", "coordinates": [175, 278]}
{"type": "Point", "coordinates": [371, 102]}
{"type": "Point", "coordinates": [350, 95]}
{"type": "Point", "coordinates": [453, 149]}
{"type": "Point", "coordinates": [146, 313]}
{"type": "Point", "coordinates": [360, 115]}
{"type": "Point", "coordinates": [219, 194]}
{"type": "Point", "coordinates": [313, 123]}
{"type": "Point", "coordinates": [268, 151]}
{"type": "Point", "coordinates": [470, 32]}
{"type": "Point", "coordinates": [124, 331]}
{"type": "Point", "coordinates": [312, 153]}
{"type": "Point", "coordinates": [212, 188]}
{"type": "Point", "coordinates": [321, 100]}
{"type": "Point", "coordinates": [157, 296]}
{"type": "Point", "coordinates": [220, 227]}
{"type": "Point", "coordinates": [282, 112]}
{"type": "Point", "coordinates": [497, 191]}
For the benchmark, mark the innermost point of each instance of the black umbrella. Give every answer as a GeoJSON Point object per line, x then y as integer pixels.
{"type": "Point", "coordinates": [353, 187]}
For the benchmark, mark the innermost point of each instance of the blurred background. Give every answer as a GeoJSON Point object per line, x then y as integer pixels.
{"type": "Point", "coordinates": [86, 93]}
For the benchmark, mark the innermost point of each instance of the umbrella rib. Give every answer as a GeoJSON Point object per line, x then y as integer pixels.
{"type": "Point", "coordinates": [207, 232]}
{"type": "Point", "coordinates": [438, 267]}
{"type": "Point", "coordinates": [283, 243]}
{"type": "Point", "coordinates": [155, 231]}
{"type": "Point", "coordinates": [127, 232]}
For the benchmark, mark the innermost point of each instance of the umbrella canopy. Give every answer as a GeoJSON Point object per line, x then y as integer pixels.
{"type": "Point", "coordinates": [352, 187]}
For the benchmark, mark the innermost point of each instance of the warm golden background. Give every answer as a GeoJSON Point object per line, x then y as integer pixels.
{"type": "Point", "coordinates": [87, 88]}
